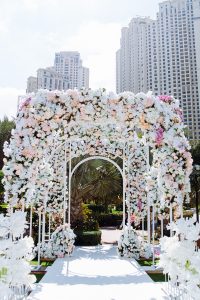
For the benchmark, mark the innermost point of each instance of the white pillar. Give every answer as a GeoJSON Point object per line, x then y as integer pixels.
{"type": "Point", "coordinates": [171, 218]}
{"type": "Point", "coordinates": [124, 189]}
{"type": "Point", "coordinates": [128, 191]}
{"type": "Point", "coordinates": [49, 225]}
{"type": "Point", "coordinates": [69, 193]}
{"type": "Point", "coordinates": [148, 202]}
{"type": "Point", "coordinates": [153, 232]}
{"type": "Point", "coordinates": [23, 205]}
{"type": "Point", "coordinates": [31, 220]}
{"type": "Point", "coordinates": [43, 226]}
{"type": "Point", "coordinates": [143, 228]}
{"type": "Point", "coordinates": [39, 237]}
{"type": "Point", "coordinates": [65, 184]}
{"type": "Point", "coordinates": [162, 227]}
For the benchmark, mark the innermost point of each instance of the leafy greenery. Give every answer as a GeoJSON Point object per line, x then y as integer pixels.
{"type": "Point", "coordinates": [195, 151]}
{"type": "Point", "coordinates": [147, 263]}
{"type": "Point", "coordinates": [110, 219]}
{"type": "Point", "coordinates": [97, 182]}
{"type": "Point", "coordinates": [1, 185]}
{"type": "Point", "coordinates": [88, 238]}
{"type": "Point", "coordinates": [5, 133]}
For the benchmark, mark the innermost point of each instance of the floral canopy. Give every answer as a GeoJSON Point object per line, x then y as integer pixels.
{"type": "Point", "coordinates": [50, 125]}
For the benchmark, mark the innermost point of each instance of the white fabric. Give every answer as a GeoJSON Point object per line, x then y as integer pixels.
{"type": "Point", "coordinates": [97, 273]}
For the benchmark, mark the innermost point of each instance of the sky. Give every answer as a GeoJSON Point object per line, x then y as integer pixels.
{"type": "Point", "coordinates": [31, 31]}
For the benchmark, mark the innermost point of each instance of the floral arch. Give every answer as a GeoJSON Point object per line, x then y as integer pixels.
{"type": "Point", "coordinates": [53, 127]}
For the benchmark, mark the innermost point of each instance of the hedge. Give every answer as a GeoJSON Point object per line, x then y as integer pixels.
{"type": "Point", "coordinates": [110, 219]}
{"type": "Point", "coordinates": [88, 238]}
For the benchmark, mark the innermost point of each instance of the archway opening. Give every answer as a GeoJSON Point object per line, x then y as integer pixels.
{"type": "Point", "coordinates": [97, 199]}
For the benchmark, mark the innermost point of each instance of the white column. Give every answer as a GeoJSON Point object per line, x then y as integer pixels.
{"type": "Point", "coordinates": [162, 227]}
{"type": "Point", "coordinates": [43, 226]}
{"type": "Point", "coordinates": [148, 203]}
{"type": "Point", "coordinates": [153, 232]}
{"type": "Point", "coordinates": [39, 236]}
{"type": "Point", "coordinates": [124, 189]}
{"type": "Point", "coordinates": [143, 228]}
{"type": "Point", "coordinates": [170, 217]}
{"type": "Point", "coordinates": [69, 193]}
{"type": "Point", "coordinates": [31, 220]}
{"type": "Point", "coordinates": [65, 184]}
{"type": "Point", "coordinates": [49, 225]}
{"type": "Point", "coordinates": [23, 205]}
{"type": "Point", "coordinates": [128, 192]}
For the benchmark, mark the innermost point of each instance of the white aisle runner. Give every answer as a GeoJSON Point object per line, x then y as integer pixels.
{"type": "Point", "coordinates": [96, 273]}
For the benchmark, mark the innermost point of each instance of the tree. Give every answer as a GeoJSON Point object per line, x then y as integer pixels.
{"type": "Point", "coordinates": [96, 180]}
{"type": "Point", "coordinates": [1, 186]}
{"type": "Point", "coordinates": [195, 151]}
{"type": "Point", "coordinates": [5, 133]}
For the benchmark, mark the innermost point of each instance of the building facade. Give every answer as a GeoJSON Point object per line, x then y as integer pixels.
{"type": "Point", "coordinates": [163, 55]}
{"type": "Point", "coordinates": [31, 84]}
{"type": "Point", "coordinates": [67, 73]}
{"type": "Point", "coordinates": [69, 64]}
{"type": "Point", "coordinates": [49, 79]}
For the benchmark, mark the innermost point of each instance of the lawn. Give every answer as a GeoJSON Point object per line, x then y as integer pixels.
{"type": "Point", "coordinates": [147, 263]}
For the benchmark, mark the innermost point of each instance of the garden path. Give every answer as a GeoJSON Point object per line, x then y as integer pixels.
{"type": "Point", "coordinates": [96, 273]}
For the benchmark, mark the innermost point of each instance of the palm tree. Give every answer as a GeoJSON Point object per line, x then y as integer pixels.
{"type": "Point", "coordinates": [96, 180]}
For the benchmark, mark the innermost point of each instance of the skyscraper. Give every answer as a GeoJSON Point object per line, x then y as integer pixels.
{"type": "Point", "coordinates": [69, 64]}
{"type": "Point", "coordinates": [164, 56]}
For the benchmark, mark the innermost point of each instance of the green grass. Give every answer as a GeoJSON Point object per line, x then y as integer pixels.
{"type": "Point", "coordinates": [157, 277]}
{"type": "Point", "coordinates": [117, 212]}
{"type": "Point", "coordinates": [43, 263]}
{"type": "Point", "coordinates": [147, 263]}
{"type": "Point", "coordinates": [4, 205]}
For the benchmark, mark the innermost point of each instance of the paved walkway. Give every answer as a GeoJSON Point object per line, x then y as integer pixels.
{"type": "Point", "coordinates": [110, 235]}
{"type": "Point", "coordinates": [97, 273]}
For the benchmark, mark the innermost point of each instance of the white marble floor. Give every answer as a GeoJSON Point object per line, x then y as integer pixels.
{"type": "Point", "coordinates": [97, 273]}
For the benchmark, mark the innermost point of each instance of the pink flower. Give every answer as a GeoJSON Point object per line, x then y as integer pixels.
{"type": "Point", "coordinates": [157, 252]}
{"type": "Point", "coordinates": [132, 219]}
{"type": "Point", "coordinates": [25, 103]}
{"type": "Point", "coordinates": [179, 112]}
{"type": "Point", "coordinates": [166, 99]}
{"type": "Point", "coordinates": [159, 136]}
{"type": "Point", "coordinates": [149, 102]}
{"type": "Point", "coordinates": [139, 205]}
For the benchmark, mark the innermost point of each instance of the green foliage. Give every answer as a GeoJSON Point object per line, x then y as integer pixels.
{"type": "Point", "coordinates": [89, 238]}
{"type": "Point", "coordinates": [110, 219]}
{"type": "Point", "coordinates": [147, 262]}
{"type": "Point", "coordinates": [195, 151]}
{"type": "Point", "coordinates": [88, 223]}
{"type": "Point", "coordinates": [1, 184]}
{"type": "Point", "coordinates": [96, 208]}
{"type": "Point", "coordinates": [95, 178]}
{"type": "Point", "coordinates": [5, 133]}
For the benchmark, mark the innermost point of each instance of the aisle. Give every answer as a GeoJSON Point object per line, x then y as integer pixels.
{"type": "Point", "coordinates": [96, 273]}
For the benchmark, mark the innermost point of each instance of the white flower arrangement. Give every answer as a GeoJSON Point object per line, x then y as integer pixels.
{"type": "Point", "coordinates": [62, 241]}
{"type": "Point", "coordinates": [145, 249]}
{"type": "Point", "coordinates": [111, 116]}
{"type": "Point", "coordinates": [129, 244]}
{"type": "Point", "coordinates": [180, 258]}
{"type": "Point", "coordinates": [15, 254]}
{"type": "Point", "coordinates": [46, 250]}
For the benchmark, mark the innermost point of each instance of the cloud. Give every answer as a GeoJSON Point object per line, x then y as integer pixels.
{"type": "Point", "coordinates": [8, 101]}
